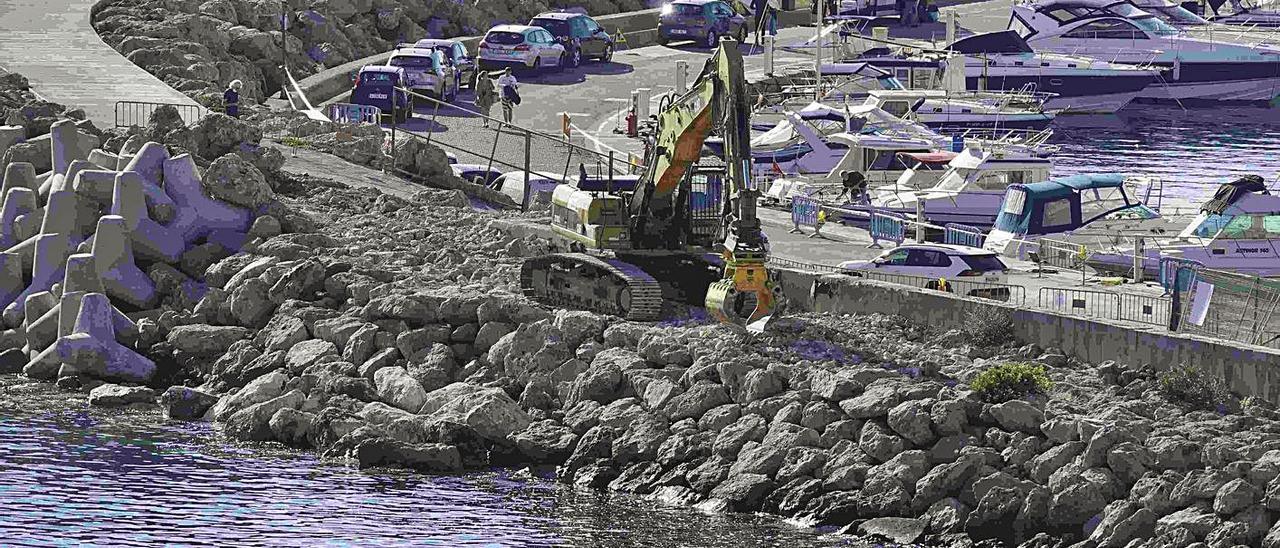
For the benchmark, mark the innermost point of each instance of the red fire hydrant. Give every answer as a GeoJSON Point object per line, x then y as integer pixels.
{"type": "Point", "coordinates": [632, 131]}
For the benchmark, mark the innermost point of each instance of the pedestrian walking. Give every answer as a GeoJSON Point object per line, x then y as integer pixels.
{"type": "Point", "coordinates": [758, 8]}
{"type": "Point", "coordinates": [485, 95]}
{"type": "Point", "coordinates": [232, 98]}
{"type": "Point", "coordinates": [771, 16]}
{"type": "Point", "coordinates": [510, 94]}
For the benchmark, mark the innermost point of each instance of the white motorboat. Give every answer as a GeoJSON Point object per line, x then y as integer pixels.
{"type": "Point", "coordinates": [1193, 69]}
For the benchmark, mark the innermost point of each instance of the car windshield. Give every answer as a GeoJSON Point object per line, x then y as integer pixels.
{"type": "Point", "coordinates": [414, 61]}
{"type": "Point", "coordinates": [558, 27]}
{"type": "Point", "coordinates": [377, 78]}
{"type": "Point", "coordinates": [504, 38]}
{"type": "Point", "coordinates": [686, 9]}
{"type": "Point", "coordinates": [984, 263]}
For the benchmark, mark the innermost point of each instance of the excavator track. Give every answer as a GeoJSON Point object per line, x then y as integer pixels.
{"type": "Point", "coordinates": [582, 281]}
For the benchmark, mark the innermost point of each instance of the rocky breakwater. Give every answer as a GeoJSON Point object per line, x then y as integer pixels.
{"type": "Point", "coordinates": [197, 46]}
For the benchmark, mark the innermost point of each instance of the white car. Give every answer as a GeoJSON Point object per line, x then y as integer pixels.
{"type": "Point", "coordinates": [541, 185]}
{"type": "Point", "coordinates": [927, 264]}
{"type": "Point", "coordinates": [520, 46]}
{"type": "Point", "coordinates": [426, 72]}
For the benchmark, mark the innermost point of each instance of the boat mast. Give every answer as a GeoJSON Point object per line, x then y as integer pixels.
{"type": "Point", "coordinates": [817, 59]}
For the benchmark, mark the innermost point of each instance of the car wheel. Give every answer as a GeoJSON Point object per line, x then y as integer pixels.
{"type": "Point", "coordinates": [663, 40]}
{"type": "Point", "coordinates": [535, 62]}
{"type": "Point", "coordinates": [575, 58]}
{"type": "Point", "coordinates": [607, 56]}
{"type": "Point", "coordinates": [560, 61]}
{"type": "Point", "coordinates": [712, 40]}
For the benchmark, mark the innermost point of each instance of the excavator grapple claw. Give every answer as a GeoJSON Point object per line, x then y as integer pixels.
{"type": "Point", "coordinates": [745, 297]}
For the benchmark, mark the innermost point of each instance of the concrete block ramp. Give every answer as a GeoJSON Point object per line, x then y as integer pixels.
{"type": "Point", "coordinates": [52, 43]}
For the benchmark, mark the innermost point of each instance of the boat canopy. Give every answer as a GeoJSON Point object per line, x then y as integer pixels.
{"type": "Point", "coordinates": [1005, 41]}
{"type": "Point", "coordinates": [1230, 193]}
{"type": "Point", "coordinates": [850, 69]}
{"type": "Point", "coordinates": [1066, 203]}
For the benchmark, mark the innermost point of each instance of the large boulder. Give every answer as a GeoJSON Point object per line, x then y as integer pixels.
{"type": "Point", "coordinates": [490, 412]}
{"type": "Point", "coordinates": [218, 134]}
{"type": "Point", "coordinates": [253, 422]}
{"type": "Point", "coordinates": [233, 180]}
{"type": "Point", "coordinates": [182, 403]}
{"type": "Point", "coordinates": [202, 340]}
{"type": "Point", "coordinates": [423, 457]}
{"type": "Point", "coordinates": [110, 395]}
{"type": "Point", "coordinates": [397, 388]}
{"type": "Point", "coordinates": [259, 390]}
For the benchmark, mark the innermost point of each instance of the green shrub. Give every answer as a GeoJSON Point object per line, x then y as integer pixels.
{"type": "Point", "coordinates": [1011, 381]}
{"type": "Point", "coordinates": [1190, 385]}
{"type": "Point", "coordinates": [988, 326]}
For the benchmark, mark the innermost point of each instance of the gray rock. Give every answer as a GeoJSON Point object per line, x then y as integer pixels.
{"type": "Point", "coordinates": [716, 418]}
{"type": "Point", "coordinates": [834, 386]}
{"type": "Point", "coordinates": [899, 530]}
{"type": "Point", "coordinates": [182, 403]}
{"type": "Point", "coordinates": [1122, 522]}
{"type": "Point", "coordinates": [1272, 539]}
{"type": "Point", "coordinates": [397, 388]}
{"type": "Point", "coordinates": [1060, 430]}
{"type": "Point", "coordinates": [420, 457]}
{"type": "Point", "coordinates": [997, 509]}
{"type": "Point", "coordinates": [381, 414]}
{"type": "Point", "coordinates": [1085, 497]}
{"type": "Point", "coordinates": [743, 493]}
{"type": "Point", "coordinates": [233, 180]}
{"type": "Point", "coordinates": [281, 333]}
{"type": "Point", "coordinates": [875, 402]}
{"type": "Point", "coordinates": [1235, 496]}
{"type": "Point", "coordinates": [949, 417]}
{"type": "Point", "coordinates": [259, 390]}
{"type": "Point", "coordinates": [583, 416]}
{"type": "Point", "coordinates": [291, 426]}
{"type": "Point", "coordinates": [732, 438]}
{"type": "Point", "coordinates": [1018, 416]}
{"type": "Point", "coordinates": [302, 355]}
{"type": "Point", "coordinates": [545, 441]}
{"type": "Point", "coordinates": [696, 401]}
{"type": "Point", "coordinates": [911, 420]}
{"type": "Point", "coordinates": [944, 480]}
{"type": "Point", "coordinates": [878, 442]}
{"type": "Point", "coordinates": [946, 516]}
{"type": "Point", "coordinates": [761, 383]}
{"type": "Point", "coordinates": [490, 412]}
{"type": "Point", "coordinates": [202, 340]}
{"type": "Point", "coordinates": [12, 361]}
{"type": "Point", "coordinates": [1198, 519]}
{"type": "Point", "coordinates": [641, 441]}
{"type": "Point", "coordinates": [1043, 466]}
{"type": "Point", "coordinates": [600, 383]}
{"type": "Point", "coordinates": [1130, 462]}
{"type": "Point", "coordinates": [112, 395]}
{"type": "Point", "coordinates": [907, 467]}
{"type": "Point", "coordinates": [253, 422]}
{"type": "Point", "coordinates": [382, 358]}
{"type": "Point", "coordinates": [1199, 485]}
{"type": "Point", "coordinates": [764, 459]}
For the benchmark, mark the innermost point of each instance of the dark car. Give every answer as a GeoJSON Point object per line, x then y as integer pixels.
{"type": "Point", "coordinates": [581, 36]}
{"type": "Point", "coordinates": [703, 21]}
{"type": "Point", "coordinates": [454, 52]}
{"type": "Point", "coordinates": [376, 85]}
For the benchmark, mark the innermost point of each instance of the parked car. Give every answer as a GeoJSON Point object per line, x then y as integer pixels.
{"type": "Point", "coordinates": [476, 173]}
{"type": "Point", "coordinates": [581, 36]}
{"type": "Point", "coordinates": [455, 52]}
{"type": "Point", "coordinates": [378, 86]}
{"type": "Point", "coordinates": [426, 72]}
{"type": "Point", "coordinates": [927, 264]}
{"type": "Point", "coordinates": [703, 21]}
{"type": "Point", "coordinates": [453, 158]}
{"type": "Point", "coordinates": [520, 46]}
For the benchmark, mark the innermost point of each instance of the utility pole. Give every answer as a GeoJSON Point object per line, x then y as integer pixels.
{"type": "Point", "coordinates": [284, 51]}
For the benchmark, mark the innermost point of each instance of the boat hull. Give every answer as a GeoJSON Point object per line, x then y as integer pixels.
{"type": "Point", "coordinates": [1255, 90]}
{"type": "Point", "coordinates": [1101, 94]}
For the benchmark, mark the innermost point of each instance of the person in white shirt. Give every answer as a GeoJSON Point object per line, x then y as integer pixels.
{"type": "Point", "coordinates": [507, 86]}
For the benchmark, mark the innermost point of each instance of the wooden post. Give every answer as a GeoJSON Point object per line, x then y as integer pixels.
{"type": "Point", "coordinates": [527, 147]}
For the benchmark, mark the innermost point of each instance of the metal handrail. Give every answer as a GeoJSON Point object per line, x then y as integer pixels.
{"type": "Point", "coordinates": [124, 110]}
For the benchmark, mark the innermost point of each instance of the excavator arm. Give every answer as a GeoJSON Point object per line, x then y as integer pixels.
{"type": "Point", "coordinates": [716, 101]}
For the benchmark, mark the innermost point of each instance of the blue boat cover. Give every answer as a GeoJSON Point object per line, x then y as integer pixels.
{"type": "Point", "coordinates": [1028, 218]}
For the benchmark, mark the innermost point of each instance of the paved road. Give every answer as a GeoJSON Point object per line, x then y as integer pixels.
{"type": "Point", "coordinates": [52, 43]}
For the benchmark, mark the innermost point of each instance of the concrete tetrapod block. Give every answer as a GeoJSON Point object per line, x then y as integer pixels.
{"type": "Point", "coordinates": [11, 278]}
{"type": "Point", "coordinates": [128, 199]}
{"type": "Point", "coordinates": [149, 164]}
{"type": "Point", "coordinates": [117, 272]}
{"type": "Point", "coordinates": [74, 170]}
{"type": "Point", "coordinates": [104, 160]}
{"type": "Point", "coordinates": [67, 145]}
{"type": "Point", "coordinates": [197, 214]}
{"type": "Point", "coordinates": [51, 252]}
{"type": "Point", "coordinates": [19, 174]}
{"type": "Point", "coordinates": [92, 347]}
{"type": "Point", "coordinates": [95, 184]}
{"type": "Point", "coordinates": [11, 135]}
{"type": "Point", "coordinates": [17, 202]}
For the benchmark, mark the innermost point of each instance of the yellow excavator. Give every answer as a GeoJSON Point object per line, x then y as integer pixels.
{"type": "Point", "coordinates": [686, 230]}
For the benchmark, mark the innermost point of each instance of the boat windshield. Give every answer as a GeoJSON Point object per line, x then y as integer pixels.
{"type": "Point", "coordinates": [1211, 225]}
{"type": "Point", "coordinates": [957, 179]}
{"type": "Point", "coordinates": [1097, 202]}
{"type": "Point", "coordinates": [1153, 25]}
{"type": "Point", "coordinates": [1177, 16]}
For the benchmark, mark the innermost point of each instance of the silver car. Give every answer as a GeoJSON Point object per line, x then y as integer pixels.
{"type": "Point", "coordinates": [520, 46]}
{"type": "Point", "coordinates": [426, 72]}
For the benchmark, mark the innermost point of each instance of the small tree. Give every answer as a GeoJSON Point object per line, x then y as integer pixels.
{"type": "Point", "coordinates": [1011, 381]}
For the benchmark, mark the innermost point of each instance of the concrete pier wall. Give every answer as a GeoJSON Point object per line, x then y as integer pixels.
{"type": "Point", "coordinates": [1247, 370]}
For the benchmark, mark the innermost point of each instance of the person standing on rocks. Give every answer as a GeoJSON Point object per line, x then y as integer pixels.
{"type": "Point", "coordinates": [485, 96]}
{"type": "Point", "coordinates": [232, 98]}
{"type": "Point", "coordinates": [510, 96]}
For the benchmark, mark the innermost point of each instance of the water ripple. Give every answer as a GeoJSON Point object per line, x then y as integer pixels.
{"type": "Point", "coordinates": [76, 477]}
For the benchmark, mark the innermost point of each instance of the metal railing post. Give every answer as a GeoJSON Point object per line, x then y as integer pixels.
{"type": "Point", "coordinates": [528, 140]}
{"type": "Point", "coordinates": [434, 115]}
{"type": "Point", "coordinates": [1138, 254]}
{"type": "Point", "coordinates": [611, 171]}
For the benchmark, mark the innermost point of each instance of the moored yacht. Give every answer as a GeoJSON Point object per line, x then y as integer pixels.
{"type": "Point", "coordinates": [1004, 61]}
{"type": "Point", "coordinates": [1192, 69]}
